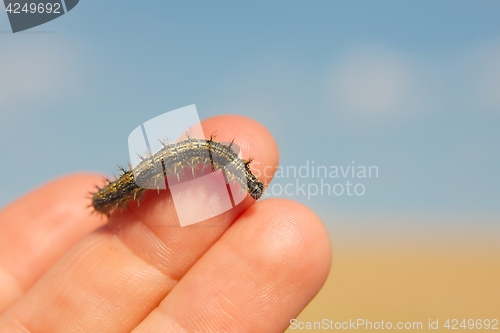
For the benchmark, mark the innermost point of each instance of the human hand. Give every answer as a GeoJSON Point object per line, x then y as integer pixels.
{"type": "Point", "coordinates": [250, 269]}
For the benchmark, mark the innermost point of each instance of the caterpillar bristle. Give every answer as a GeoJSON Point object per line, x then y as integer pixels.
{"type": "Point", "coordinates": [164, 143]}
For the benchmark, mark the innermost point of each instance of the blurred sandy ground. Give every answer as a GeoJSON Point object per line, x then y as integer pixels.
{"type": "Point", "coordinates": [411, 270]}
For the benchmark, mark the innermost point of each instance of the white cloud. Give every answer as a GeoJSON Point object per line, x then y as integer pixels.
{"type": "Point", "coordinates": [371, 82]}
{"type": "Point", "coordinates": [35, 69]}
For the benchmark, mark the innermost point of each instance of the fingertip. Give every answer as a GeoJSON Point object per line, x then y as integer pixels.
{"type": "Point", "coordinates": [292, 230]}
{"type": "Point", "coordinates": [254, 139]}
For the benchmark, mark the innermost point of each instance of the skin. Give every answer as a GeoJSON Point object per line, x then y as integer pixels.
{"type": "Point", "coordinates": [251, 269]}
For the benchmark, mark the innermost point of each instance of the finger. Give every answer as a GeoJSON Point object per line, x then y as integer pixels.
{"type": "Point", "coordinates": [38, 228]}
{"type": "Point", "coordinates": [260, 274]}
{"type": "Point", "coordinates": [113, 278]}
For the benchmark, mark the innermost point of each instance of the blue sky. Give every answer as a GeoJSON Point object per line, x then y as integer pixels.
{"type": "Point", "coordinates": [410, 87]}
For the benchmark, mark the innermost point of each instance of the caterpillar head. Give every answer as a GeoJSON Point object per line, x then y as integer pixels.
{"type": "Point", "coordinates": [255, 188]}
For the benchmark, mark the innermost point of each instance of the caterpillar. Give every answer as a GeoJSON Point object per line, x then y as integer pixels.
{"type": "Point", "coordinates": [172, 159]}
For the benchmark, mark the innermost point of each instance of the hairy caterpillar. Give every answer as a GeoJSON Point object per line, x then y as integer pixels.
{"type": "Point", "coordinates": [172, 159]}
